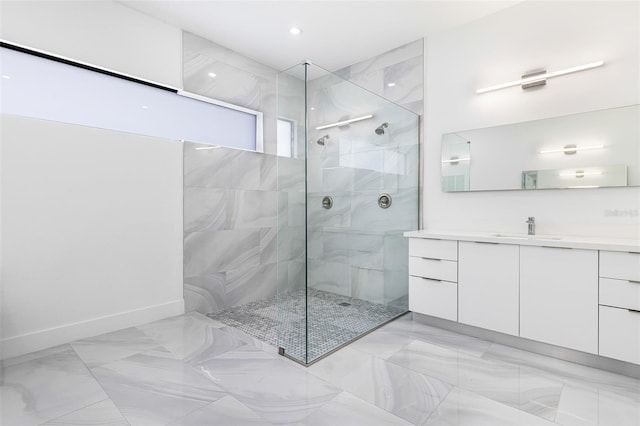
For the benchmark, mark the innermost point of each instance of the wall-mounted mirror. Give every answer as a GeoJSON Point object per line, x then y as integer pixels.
{"type": "Point", "coordinates": [586, 150]}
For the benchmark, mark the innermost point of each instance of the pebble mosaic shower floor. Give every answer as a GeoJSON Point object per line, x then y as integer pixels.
{"type": "Point", "coordinates": [333, 320]}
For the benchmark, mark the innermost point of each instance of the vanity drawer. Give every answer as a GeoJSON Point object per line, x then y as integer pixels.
{"type": "Point", "coordinates": [620, 265]}
{"type": "Point", "coordinates": [433, 297]}
{"type": "Point", "coordinates": [620, 334]}
{"type": "Point", "coordinates": [620, 293]}
{"type": "Point", "coordinates": [433, 249]}
{"type": "Point", "coordinates": [436, 269]}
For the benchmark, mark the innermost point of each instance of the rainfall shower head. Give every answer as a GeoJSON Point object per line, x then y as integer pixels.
{"type": "Point", "coordinates": [322, 140]}
{"type": "Point", "coordinates": [380, 129]}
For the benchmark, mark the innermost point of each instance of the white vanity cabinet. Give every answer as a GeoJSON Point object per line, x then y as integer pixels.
{"type": "Point", "coordinates": [433, 277]}
{"type": "Point", "coordinates": [488, 281]}
{"type": "Point", "coordinates": [559, 296]}
{"type": "Point", "coordinates": [620, 306]}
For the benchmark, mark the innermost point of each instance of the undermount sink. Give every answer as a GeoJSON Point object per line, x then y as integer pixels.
{"type": "Point", "coordinates": [527, 237]}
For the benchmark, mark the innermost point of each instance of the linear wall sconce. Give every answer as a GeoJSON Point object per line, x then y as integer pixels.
{"type": "Point", "coordinates": [539, 77]}
{"type": "Point", "coordinates": [345, 122]}
{"type": "Point", "coordinates": [571, 149]}
{"type": "Point", "coordinates": [581, 173]}
{"type": "Point", "coordinates": [455, 160]}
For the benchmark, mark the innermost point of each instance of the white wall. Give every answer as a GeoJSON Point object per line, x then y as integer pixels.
{"type": "Point", "coordinates": [499, 48]}
{"type": "Point", "coordinates": [101, 33]}
{"type": "Point", "coordinates": [91, 231]}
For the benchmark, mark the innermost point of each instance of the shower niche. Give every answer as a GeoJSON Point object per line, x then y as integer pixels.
{"type": "Point", "coordinates": [348, 189]}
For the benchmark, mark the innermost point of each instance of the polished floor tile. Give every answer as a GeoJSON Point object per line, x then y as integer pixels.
{"type": "Point", "coordinates": [154, 390]}
{"type": "Point", "coordinates": [191, 370]}
{"type": "Point", "coordinates": [45, 385]}
{"type": "Point", "coordinates": [503, 382]}
{"type": "Point", "coordinates": [113, 346]}
{"type": "Point", "coordinates": [401, 391]}
{"type": "Point", "coordinates": [465, 408]}
{"type": "Point", "coordinates": [103, 413]}
{"type": "Point", "coordinates": [274, 387]}
{"type": "Point", "coordinates": [225, 411]}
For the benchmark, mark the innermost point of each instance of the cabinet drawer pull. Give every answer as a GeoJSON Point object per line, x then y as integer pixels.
{"type": "Point", "coordinates": [431, 258]}
{"type": "Point", "coordinates": [486, 242]}
{"type": "Point", "coordinates": [634, 282]}
{"type": "Point", "coordinates": [635, 311]}
{"type": "Point", "coordinates": [429, 279]}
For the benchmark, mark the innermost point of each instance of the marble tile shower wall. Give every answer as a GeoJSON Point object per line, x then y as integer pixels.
{"type": "Point", "coordinates": [357, 247]}
{"type": "Point", "coordinates": [233, 206]}
{"type": "Point", "coordinates": [238, 80]}
{"type": "Point", "coordinates": [230, 226]}
{"type": "Point", "coordinates": [403, 66]}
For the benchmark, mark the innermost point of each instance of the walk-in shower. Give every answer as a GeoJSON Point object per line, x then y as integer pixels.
{"type": "Point", "coordinates": [342, 259]}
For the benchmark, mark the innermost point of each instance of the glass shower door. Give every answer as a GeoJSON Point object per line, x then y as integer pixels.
{"type": "Point", "coordinates": [343, 252]}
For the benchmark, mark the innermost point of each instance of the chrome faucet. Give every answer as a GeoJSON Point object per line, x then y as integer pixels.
{"type": "Point", "coordinates": [531, 222]}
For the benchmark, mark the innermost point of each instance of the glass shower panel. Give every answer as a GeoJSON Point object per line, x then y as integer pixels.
{"type": "Point", "coordinates": [292, 241]}
{"type": "Point", "coordinates": [358, 157]}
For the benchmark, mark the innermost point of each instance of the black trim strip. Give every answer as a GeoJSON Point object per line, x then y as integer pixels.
{"type": "Point", "coordinates": [84, 66]}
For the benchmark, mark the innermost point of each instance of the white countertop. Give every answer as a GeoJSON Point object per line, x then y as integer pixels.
{"type": "Point", "coordinates": [592, 243]}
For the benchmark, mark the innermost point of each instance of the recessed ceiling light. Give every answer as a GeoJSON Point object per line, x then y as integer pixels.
{"type": "Point", "coordinates": [295, 31]}
{"type": "Point", "coordinates": [145, 107]}
{"type": "Point", "coordinates": [6, 77]}
{"type": "Point", "coordinates": [212, 74]}
{"type": "Point", "coordinates": [391, 84]}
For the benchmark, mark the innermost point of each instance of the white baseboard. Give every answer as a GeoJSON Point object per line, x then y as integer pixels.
{"type": "Point", "coordinates": [43, 339]}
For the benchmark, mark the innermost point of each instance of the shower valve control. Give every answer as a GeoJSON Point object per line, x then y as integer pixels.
{"type": "Point", "coordinates": [327, 202]}
{"type": "Point", "coordinates": [384, 201]}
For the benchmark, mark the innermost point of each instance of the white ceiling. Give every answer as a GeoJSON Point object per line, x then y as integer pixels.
{"type": "Point", "coordinates": [335, 33]}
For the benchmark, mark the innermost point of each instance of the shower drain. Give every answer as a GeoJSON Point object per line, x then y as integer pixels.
{"type": "Point", "coordinates": [344, 304]}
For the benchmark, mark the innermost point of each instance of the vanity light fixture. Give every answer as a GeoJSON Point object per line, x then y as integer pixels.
{"type": "Point", "coordinates": [581, 173]}
{"type": "Point", "coordinates": [571, 149]}
{"type": "Point", "coordinates": [295, 31]}
{"type": "Point", "coordinates": [538, 78]}
{"type": "Point", "coordinates": [455, 160]}
{"type": "Point", "coordinates": [212, 74]}
{"type": "Point", "coordinates": [583, 186]}
{"type": "Point", "coordinates": [345, 122]}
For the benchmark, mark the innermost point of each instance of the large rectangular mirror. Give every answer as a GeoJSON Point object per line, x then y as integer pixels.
{"type": "Point", "coordinates": [587, 150]}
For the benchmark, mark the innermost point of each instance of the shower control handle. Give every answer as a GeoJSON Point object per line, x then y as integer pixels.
{"type": "Point", "coordinates": [384, 201]}
{"type": "Point", "coordinates": [327, 202]}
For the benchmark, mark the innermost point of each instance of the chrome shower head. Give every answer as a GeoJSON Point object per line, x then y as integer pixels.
{"type": "Point", "coordinates": [380, 129]}
{"type": "Point", "coordinates": [322, 140]}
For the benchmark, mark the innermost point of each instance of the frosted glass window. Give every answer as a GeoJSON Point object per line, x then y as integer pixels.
{"type": "Point", "coordinates": [43, 88]}
{"type": "Point", "coordinates": [285, 138]}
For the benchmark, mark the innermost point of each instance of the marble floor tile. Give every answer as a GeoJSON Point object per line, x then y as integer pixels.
{"type": "Point", "coordinates": [191, 336]}
{"type": "Point", "coordinates": [383, 343]}
{"type": "Point", "coordinates": [151, 390]}
{"type": "Point", "coordinates": [191, 370]}
{"type": "Point", "coordinates": [347, 409]}
{"type": "Point", "coordinates": [104, 413]}
{"type": "Point", "coordinates": [277, 389]}
{"type": "Point", "coordinates": [503, 382]}
{"type": "Point", "coordinates": [565, 371]}
{"type": "Point", "coordinates": [113, 346]}
{"type": "Point", "coordinates": [44, 385]}
{"type": "Point", "coordinates": [449, 339]}
{"type": "Point", "coordinates": [465, 408]}
{"type": "Point", "coordinates": [401, 391]}
{"type": "Point", "coordinates": [581, 405]}
{"type": "Point", "coordinates": [226, 411]}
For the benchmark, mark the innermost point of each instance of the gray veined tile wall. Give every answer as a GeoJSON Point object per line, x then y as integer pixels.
{"type": "Point", "coordinates": [238, 80]}
{"type": "Point", "coordinates": [233, 205]}
{"type": "Point", "coordinates": [230, 227]}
